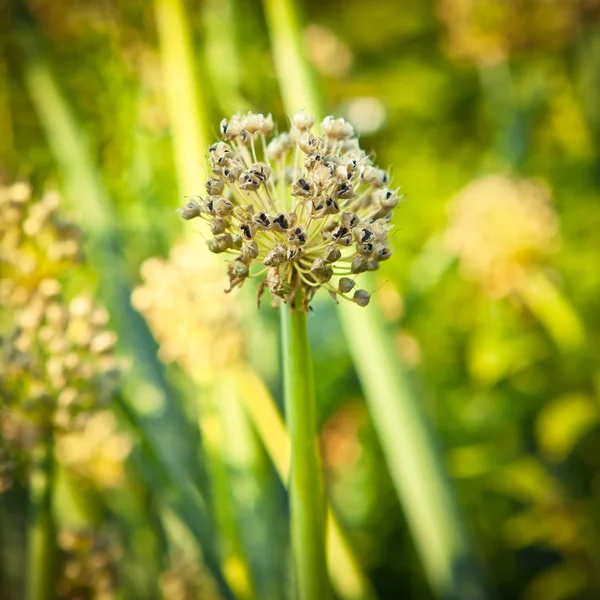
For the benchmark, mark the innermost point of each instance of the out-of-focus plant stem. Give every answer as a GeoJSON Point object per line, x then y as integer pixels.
{"type": "Point", "coordinates": [296, 82]}
{"type": "Point", "coordinates": [41, 532]}
{"type": "Point", "coordinates": [409, 446]}
{"type": "Point", "coordinates": [215, 404]}
{"type": "Point", "coordinates": [184, 106]}
{"type": "Point", "coordinates": [307, 498]}
{"type": "Point", "coordinates": [187, 112]}
{"type": "Point", "coordinates": [347, 579]}
{"type": "Point", "coordinates": [553, 310]}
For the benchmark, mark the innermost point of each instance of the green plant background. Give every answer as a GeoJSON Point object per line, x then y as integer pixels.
{"type": "Point", "coordinates": [485, 412]}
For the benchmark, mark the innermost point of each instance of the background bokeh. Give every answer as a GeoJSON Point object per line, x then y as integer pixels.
{"type": "Point", "coordinates": [119, 346]}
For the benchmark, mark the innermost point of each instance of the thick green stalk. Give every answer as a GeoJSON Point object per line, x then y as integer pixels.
{"type": "Point", "coordinates": [347, 579]}
{"type": "Point", "coordinates": [307, 499]}
{"type": "Point", "coordinates": [41, 534]}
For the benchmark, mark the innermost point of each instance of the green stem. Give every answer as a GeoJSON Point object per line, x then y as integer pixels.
{"type": "Point", "coordinates": [554, 311]}
{"type": "Point", "coordinates": [307, 499]}
{"type": "Point", "coordinates": [40, 529]}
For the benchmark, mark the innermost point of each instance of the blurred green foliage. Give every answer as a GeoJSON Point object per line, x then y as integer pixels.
{"type": "Point", "coordinates": [445, 92]}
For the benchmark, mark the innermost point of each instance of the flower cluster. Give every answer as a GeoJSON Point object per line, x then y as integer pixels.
{"type": "Point", "coordinates": [499, 228]}
{"type": "Point", "coordinates": [172, 290]}
{"type": "Point", "coordinates": [56, 357]}
{"type": "Point", "coordinates": [308, 211]}
{"type": "Point", "coordinates": [90, 561]}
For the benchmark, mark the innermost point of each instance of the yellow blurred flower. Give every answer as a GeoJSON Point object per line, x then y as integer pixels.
{"type": "Point", "coordinates": [499, 228]}
{"type": "Point", "coordinates": [177, 298]}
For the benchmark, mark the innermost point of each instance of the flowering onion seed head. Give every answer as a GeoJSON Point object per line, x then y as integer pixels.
{"type": "Point", "coordinates": [309, 208]}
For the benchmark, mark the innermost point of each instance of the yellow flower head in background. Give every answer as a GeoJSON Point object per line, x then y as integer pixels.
{"type": "Point", "coordinates": [499, 228]}
{"type": "Point", "coordinates": [302, 211]}
{"type": "Point", "coordinates": [178, 300]}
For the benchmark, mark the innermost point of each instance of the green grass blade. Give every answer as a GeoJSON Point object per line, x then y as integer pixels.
{"type": "Point", "coordinates": [414, 464]}
{"type": "Point", "coordinates": [307, 498]}
{"type": "Point", "coordinates": [187, 112]}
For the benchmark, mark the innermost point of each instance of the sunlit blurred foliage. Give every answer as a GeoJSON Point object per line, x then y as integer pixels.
{"type": "Point", "coordinates": [485, 31]}
{"type": "Point", "coordinates": [184, 580]}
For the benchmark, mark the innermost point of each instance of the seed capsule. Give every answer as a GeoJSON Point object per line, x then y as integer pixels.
{"type": "Point", "coordinates": [217, 225]}
{"type": "Point", "coordinates": [249, 181]}
{"type": "Point", "coordinates": [346, 284]}
{"type": "Point", "coordinates": [349, 220]}
{"type": "Point", "coordinates": [361, 297]}
{"type": "Point", "coordinates": [223, 207]}
{"type": "Point", "coordinates": [247, 231]}
{"type": "Point", "coordinates": [303, 188]}
{"type": "Point", "coordinates": [276, 257]}
{"type": "Point", "coordinates": [331, 254]}
{"type": "Point", "coordinates": [220, 243]}
{"type": "Point", "coordinates": [381, 252]}
{"type": "Point", "coordinates": [250, 249]}
{"type": "Point", "coordinates": [190, 211]}
{"type": "Point", "coordinates": [322, 271]}
{"type": "Point", "coordinates": [262, 221]}
{"type": "Point", "coordinates": [297, 236]}
{"type": "Point", "coordinates": [302, 121]}
{"type": "Point", "coordinates": [342, 236]}
{"type": "Point", "coordinates": [214, 187]}
{"type": "Point", "coordinates": [359, 265]}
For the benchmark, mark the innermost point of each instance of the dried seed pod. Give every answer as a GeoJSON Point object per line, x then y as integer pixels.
{"type": "Point", "coordinates": [190, 211]}
{"type": "Point", "coordinates": [331, 254]}
{"type": "Point", "coordinates": [276, 256]}
{"type": "Point", "coordinates": [303, 188]}
{"type": "Point", "coordinates": [220, 243]}
{"type": "Point", "coordinates": [217, 225]}
{"type": "Point", "coordinates": [302, 121]}
{"type": "Point", "coordinates": [280, 223]}
{"type": "Point", "coordinates": [249, 181]}
{"type": "Point", "coordinates": [342, 236]}
{"type": "Point", "coordinates": [381, 252]}
{"type": "Point", "coordinates": [215, 187]}
{"type": "Point", "coordinates": [349, 220]}
{"type": "Point", "coordinates": [297, 236]}
{"type": "Point", "coordinates": [359, 265]}
{"type": "Point", "coordinates": [322, 271]}
{"type": "Point", "coordinates": [346, 285]}
{"type": "Point", "coordinates": [247, 231]}
{"type": "Point", "coordinates": [361, 297]}
{"type": "Point", "coordinates": [250, 250]}
{"type": "Point", "coordinates": [262, 221]}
